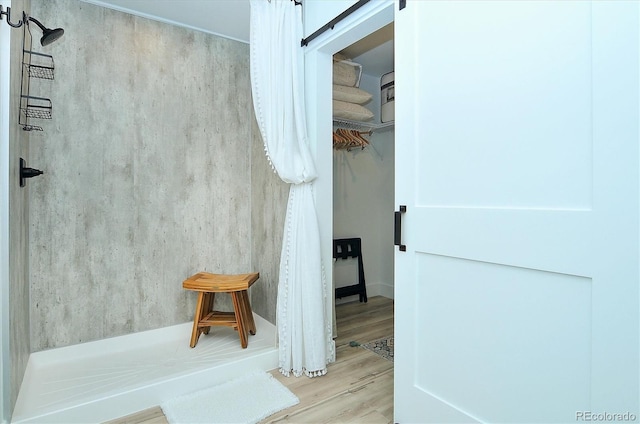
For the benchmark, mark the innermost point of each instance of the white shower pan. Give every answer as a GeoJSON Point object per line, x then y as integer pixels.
{"type": "Point", "coordinates": [110, 378]}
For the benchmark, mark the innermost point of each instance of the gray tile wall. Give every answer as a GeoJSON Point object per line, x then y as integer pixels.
{"type": "Point", "coordinates": [154, 170]}
{"type": "Point", "coordinates": [18, 219]}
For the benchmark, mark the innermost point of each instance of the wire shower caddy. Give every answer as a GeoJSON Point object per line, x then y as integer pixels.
{"type": "Point", "coordinates": [34, 65]}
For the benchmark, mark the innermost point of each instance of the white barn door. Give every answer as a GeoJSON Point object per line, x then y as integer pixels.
{"type": "Point", "coordinates": [517, 160]}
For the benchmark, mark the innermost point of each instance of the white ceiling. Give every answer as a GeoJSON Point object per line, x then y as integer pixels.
{"type": "Point", "coordinates": [230, 19]}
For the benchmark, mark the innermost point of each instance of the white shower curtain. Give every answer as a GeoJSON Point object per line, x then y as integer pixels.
{"type": "Point", "coordinates": [304, 330]}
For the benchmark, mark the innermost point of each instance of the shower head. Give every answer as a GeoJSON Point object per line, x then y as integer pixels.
{"type": "Point", "coordinates": [48, 35]}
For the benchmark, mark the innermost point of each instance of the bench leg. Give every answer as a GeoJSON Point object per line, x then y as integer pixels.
{"type": "Point", "coordinates": [200, 312]}
{"type": "Point", "coordinates": [248, 314]}
{"type": "Point", "coordinates": [208, 307]}
{"type": "Point", "coordinates": [242, 329]}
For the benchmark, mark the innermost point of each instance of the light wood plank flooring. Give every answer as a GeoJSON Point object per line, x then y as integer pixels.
{"type": "Point", "coordinates": [358, 386]}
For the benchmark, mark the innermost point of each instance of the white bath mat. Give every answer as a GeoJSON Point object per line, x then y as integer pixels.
{"type": "Point", "coordinates": [247, 399]}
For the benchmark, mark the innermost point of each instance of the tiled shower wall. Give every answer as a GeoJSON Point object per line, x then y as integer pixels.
{"type": "Point", "coordinates": [19, 342]}
{"type": "Point", "coordinates": [154, 170]}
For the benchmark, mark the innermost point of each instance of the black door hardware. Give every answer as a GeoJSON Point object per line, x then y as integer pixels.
{"type": "Point", "coordinates": [397, 228]}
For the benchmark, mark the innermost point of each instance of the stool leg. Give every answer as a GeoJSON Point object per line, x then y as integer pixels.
{"type": "Point", "coordinates": [248, 314]}
{"type": "Point", "coordinates": [237, 307]}
{"type": "Point", "coordinates": [195, 333]}
{"type": "Point", "coordinates": [208, 307]}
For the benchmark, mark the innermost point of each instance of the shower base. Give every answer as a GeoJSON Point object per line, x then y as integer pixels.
{"type": "Point", "coordinates": [110, 378]}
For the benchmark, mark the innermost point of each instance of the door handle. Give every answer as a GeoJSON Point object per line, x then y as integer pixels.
{"type": "Point", "coordinates": [397, 228]}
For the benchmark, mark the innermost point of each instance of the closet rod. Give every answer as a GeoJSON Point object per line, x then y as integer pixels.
{"type": "Point", "coordinates": [329, 25]}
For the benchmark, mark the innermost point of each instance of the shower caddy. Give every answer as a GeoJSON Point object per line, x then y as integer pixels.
{"type": "Point", "coordinates": [34, 65]}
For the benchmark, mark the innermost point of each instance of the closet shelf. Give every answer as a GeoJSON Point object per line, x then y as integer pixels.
{"type": "Point", "coordinates": [362, 126]}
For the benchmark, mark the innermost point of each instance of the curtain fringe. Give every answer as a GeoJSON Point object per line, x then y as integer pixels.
{"type": "Point", "coordinates": [310, 374]}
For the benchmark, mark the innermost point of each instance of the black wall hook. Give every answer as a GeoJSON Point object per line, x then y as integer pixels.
{"type": "Point", "coordinates": [27, 172]}
{"type": "Point", "coordinates": [8, 14]}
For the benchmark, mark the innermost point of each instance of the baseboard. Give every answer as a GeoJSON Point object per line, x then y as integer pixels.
{"type": "Point", "coordinates": [384, 290]}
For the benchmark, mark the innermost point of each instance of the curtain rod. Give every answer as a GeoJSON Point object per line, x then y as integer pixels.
{"type": "Point", "coordinates": [329, 25]}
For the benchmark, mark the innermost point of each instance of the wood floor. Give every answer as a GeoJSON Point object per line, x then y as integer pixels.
{"type": "Point", "coordinates": [358, 386]}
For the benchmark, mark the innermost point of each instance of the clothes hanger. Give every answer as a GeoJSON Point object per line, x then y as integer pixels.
{"type": "Point", "coordinates": [347, 139]}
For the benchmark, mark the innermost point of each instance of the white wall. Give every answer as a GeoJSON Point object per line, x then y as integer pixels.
{"type": "Point", "coordinates": [319, 12]}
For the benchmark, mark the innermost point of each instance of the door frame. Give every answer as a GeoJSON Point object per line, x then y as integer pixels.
{"type": "Point", "coordinates": [318, 57]}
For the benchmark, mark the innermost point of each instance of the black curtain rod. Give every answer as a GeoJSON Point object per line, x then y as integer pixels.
{"type": "Point", "coordinates": [329, 25]}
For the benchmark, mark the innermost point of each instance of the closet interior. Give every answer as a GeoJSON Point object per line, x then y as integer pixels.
{"type": "Point", "coordinates": [363, 168]}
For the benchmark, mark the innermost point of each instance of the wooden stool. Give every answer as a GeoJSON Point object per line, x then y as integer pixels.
{"type": "Point", "coordinates": [208, 285]}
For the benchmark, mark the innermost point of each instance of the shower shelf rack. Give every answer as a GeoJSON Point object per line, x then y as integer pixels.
{"type": "Point", "coordinates": [36, 107]}
{"type": "Point", "coordinates": [40, 66]}
{"type": "Point", "coordinates": [44, 69]}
